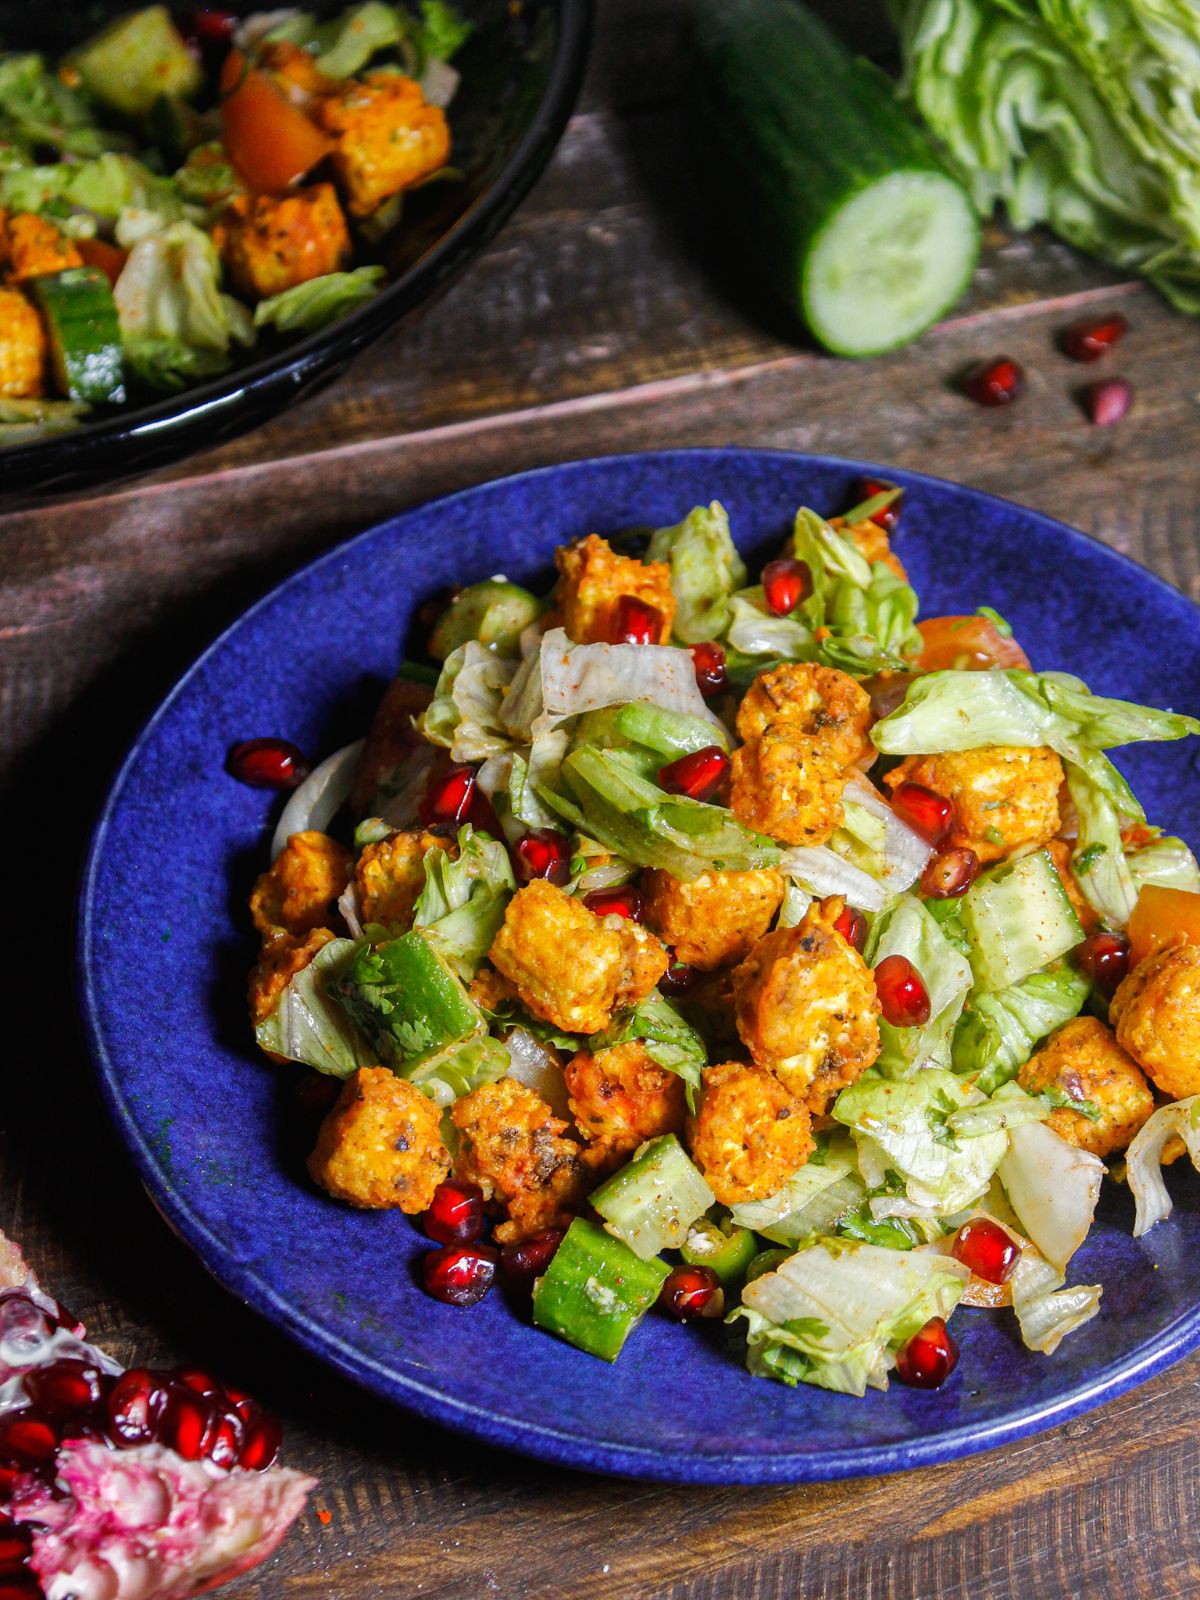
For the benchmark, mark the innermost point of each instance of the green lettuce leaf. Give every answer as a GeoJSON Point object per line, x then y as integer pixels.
{"type": "Point", "coordinates": [320, 301]}
{"type": "Point", "coordinates": [462, 905]}
{"type": "Point", "coordinates": [443, 30]}
{"type": "Point", "coordinates": [464, 714]}
{"type": "Point", "coordinates": [309, 1025]}
{"type": "Point", "coordinates": [705, 570]}
{"type": "Point", "coordinates": [170, 291]}
{"type": "Point", "coordinates": [997, 1033]}
{"type": "Point", "coordinates": [670, 1041]}
{"type": "Point", "coordinates": [37, 109]}
{"type": "Point", "coordinates": [1165, 861]}
{"type": "Point", "coordinates": [349, 42]}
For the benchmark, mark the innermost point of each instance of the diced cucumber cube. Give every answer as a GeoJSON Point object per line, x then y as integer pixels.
{"type": "Point", "coordinates": [728, 1254]}
{"type": "Point", "coordinates": [407, 1001]}
{"type": "Point", "coordinates": [494, 612]}
{"type": "Point", "coordinates": [652, 1202]}
{"type": "Point", "coordinates": [595, 1291]}
{"type": "Point", "coordinates": [1017, 919]}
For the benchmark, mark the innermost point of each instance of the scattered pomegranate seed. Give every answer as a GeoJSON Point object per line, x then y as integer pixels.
{"type": "Point", "coordinates": [635, 622]}
{"type": "Point", "coordinates": [698, 775]}
{"type": "Point", "coordinates": [989, 1250]}
{"type": "Point", "coordinates": [709, 662]}
{"type": "Point", "coordinates": [1104, 957]}
{"type": "Point", "coordinates": [928, 813]}
{"type": "Point", "coordinates": [994, 383]}
{"type": "Point", "coordinates": [1107, 402]}
{"type": "Point", "coordinates": [785, 584]}
{"type": "Point", "coordinates": [544, 853]}
{"type": "Point", "coordinates": [902, 993]}
{"type": "Point", "coordinates": [622, 901]}
{"type": "Point", "coordinates": [679, 977]}
{"type": "Point", "coordinates": [448, 797]}
{"type": "Point", "coordinates": [868, 488]}
{"type": "Point", "coordinates": [1088, 341]}
{"type": "Point", "coordinates": [949, 874]}
{"type": "Point", "coordinates": [460, 1274]}
{"type": "Point", "coordinates": [27, 1439]}
{"type": "Point", "coordinates": [521, 1263]}
{"type": "Point", "coordinates": [455, 1214]}
{"type": "Point", "coordinates": [852, 926]}
{"type": "Point", "coordinates": [135, 1404]}
{"type": "Point", "coordinates": [66, 1387]}
{"type": "Point", "coordinates": [8, 1479]}
{"type": "Point", "coordinates": [929, 1357]}
{"type": "Point", "coordinates": [692, 1292]}
{"type": "Point", "coordinates": [267, 764]}
{"type": "Point", "coordinates": [211, 26]}
{"type": "Point", "coordinates": [187, 1423]}
{"type": "Point", "coordinates": [263, 1438]}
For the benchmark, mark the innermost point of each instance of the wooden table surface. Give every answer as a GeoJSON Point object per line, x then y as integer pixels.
{"type": "Point", "coordinates": [596, 322]}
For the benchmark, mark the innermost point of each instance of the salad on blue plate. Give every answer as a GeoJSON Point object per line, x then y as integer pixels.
{"type": "Point", "coordinates": [751, 950]}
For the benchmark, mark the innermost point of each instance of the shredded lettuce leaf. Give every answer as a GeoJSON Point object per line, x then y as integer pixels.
{"type": "Point", "coordinates": [308, 1025]}
{"type": "Point", "coordinates": [457, 1070]}
{"type": "Point", "coordinates": [1165, 861]}
{"type": "Point", "coordinates": [670, 1041]}
{"type": "Point", "coordinates": [465, 713]}
{"type": "Point", "coordinates": [1143, 1159]}
{"type": "Point", "coordinates": [1053, 1188]}
{"type": "Point", "coordinates": [705, 570]}
{"type": "Point", "coordinates": [997, 1033]}
{"type": "Point", "coordinates": [1046, 1311]}
{"type": "Point", "coordinates": [38, 109]}
{"type": "Point", "coordinates": [462, 905]}
{"type": "Point", "coordinates": [315, 304]}
{"type": "Point", "coordinates": [169, 294]}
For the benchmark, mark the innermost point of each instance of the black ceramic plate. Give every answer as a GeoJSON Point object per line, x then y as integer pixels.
{"type": "Point", "coordinates": [520, 74]}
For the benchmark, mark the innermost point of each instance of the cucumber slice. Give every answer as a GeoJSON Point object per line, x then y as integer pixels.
{"type": "Point", "coordinates": [595, 1291]}
{"type": "Point", "coordinates": [495, 612]}
{"type": "Point", "coordinates": [835, 197]}
{"type": "Point", "coordinates": [728, 1254]}
{"type": "Point", "coordinates": [85, 337]}
{"type": "Point", "coordinates": [1017, 919]}
{"type": "Point", "coordinates": [136, 58]}
{"type": "Point", "coordinates": [668, 733]}
{"type": "Point", "coordinates": [406, 1001]}
{"type": "Point", "coordinates": [652, 1202]}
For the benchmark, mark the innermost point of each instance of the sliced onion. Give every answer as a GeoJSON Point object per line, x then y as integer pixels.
{"type": "Point", "coordinates": [1046, 1311]}
{"type": "Point", "coordinates": [320, 797]}
{"type": "Point", "coordinates": [536, 1066]}
{"type": "Point", "coordinates": [351, 909]}
{"type": "Point", "coordinates": [1143, 1159]}
{"type": "Point", "coordinates": [821, 871]}
{"type": "Point", "coordinates": [1053, 1188]}
{"type": "Point", "coordinates": [904, 852]}
{"type": "Point", "coordinates": [400, 809]}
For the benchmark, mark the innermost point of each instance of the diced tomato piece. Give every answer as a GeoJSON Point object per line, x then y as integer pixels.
{"type": "Point", "coordinates": [967, 643]}
{"type": "Point", "coordinates": [270, 141]}
{"type": "Point", "coordinates": [1162, 916]}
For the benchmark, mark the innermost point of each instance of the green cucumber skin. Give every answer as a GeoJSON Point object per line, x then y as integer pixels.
{"type": "Point", "coordinates": [85, 337]}
{"type": "Point", "coordinates": [792, 126]}
{"type": "Point", "coordinates": [1018, 919]}
{"type": "Point", "coordinates": [595, 1291]}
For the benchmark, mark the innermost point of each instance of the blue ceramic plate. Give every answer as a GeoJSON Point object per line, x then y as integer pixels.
{"type": "Point", "coordinates": [165, 946]}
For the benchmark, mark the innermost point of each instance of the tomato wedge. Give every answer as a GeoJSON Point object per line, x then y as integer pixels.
{"type": "Point", "coordinates": [110, 258]}
{"type": "Point", "coordinates": [1162, 916]}
{"type": "Point", "coordinates": [270, 141]}
{"type": "Point", "coordinates": [969, 644]}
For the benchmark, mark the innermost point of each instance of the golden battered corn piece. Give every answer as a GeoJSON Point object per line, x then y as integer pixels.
{"type": "Point", "coordinates": [569, 967]}
{"type": "Point", "coordinates": [511, 1144]}
{"type": "Point", "coordinates": [22, 348]}
{"type": "Point", "coordinates": [301, 890]}
{"type": "Point", "coordinates": [294, 70]}
{"type": "Point", "coordinates": [386, 138]}
{"type": "Point", "coordinates": [31, 245]}
{"type": "Point", "coordinates": [391, 874]}
{"type": "Point", "coordinates": [381, 1146]}
{"type": "Point", "coordinates": [390, 743]}
{"type": "Point", "coordinates": [1005, 798]}
{"type": "Point", "coordinates": [749, 1135]}
{"type": "Point", "coordinates": [871, 541]}
{"type": "Point", "coordinates": [593, 579]}
{"type": "Point", "coordinates": [715, 919]}
{"type": "Point", "coordinates": [788, 787]}
{"type": "Point", "coordinates": [620, 1097]}
{"type": "Point", "coordinates": [1156, 1014]}
{"type": "Point", "coordinates": [807, 1009]}
{"type": "Point", "coordinates": [272, 243]}
{"type": "Point", "coordinates": [1060, 853]}
{"type": "Point", "coordinates": [819, 703]}
{"type": "Point", "coordinates": [1085, 1062]}
{"type": "Point", "coordinates": [281, 958]}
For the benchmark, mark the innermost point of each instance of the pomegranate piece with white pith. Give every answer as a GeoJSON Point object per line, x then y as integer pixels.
{"type": "Point", "coordinates": [125, 1485]}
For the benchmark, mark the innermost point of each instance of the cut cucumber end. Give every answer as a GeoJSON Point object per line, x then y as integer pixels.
{"type": "Point", "coordinates": [889, 262]}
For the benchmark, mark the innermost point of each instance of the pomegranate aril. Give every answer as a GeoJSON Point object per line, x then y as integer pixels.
{"type": "Point", "coordinates": [868, 488]}
{"type": "Point", "coordinates": [8, 1479]}
{"type": "Point", "coordinates": [455, 1214]}
{"type": "Point", "coordinates": [211, 26]}
{"type": "Point", "coordinates": [623, 901]}
{"type": "Point", "coordinates": [689, 1293]}
{"type": "Point", "coordinates": [227, 1439]}
{"type": "Point", "coordinates": [1104, 957]}
{"type": "Point", "coordinates": [135, 1404]}
{"type": "Point", "coordinates": [187, 1423]}
{"type": "Point", "coordinates": [709, 661]}
{"type": "Point", "coordinates": [460, 1274]}
{"type": "Point", "coordinates": [1107, 402]}
{"type": "Point", "coordinates": [198, 1381]}
{"type": "Point", "coordinates": [698, 775]}
{"type": "Point", "coordinates": [27, 1440]}
{"type": "Point", "coordinates": [544, 853]}
{"type": "Point", "coordinates": [929, 1357]}
{"type": "Point", "coordinates": [448, 797]}
{"type": "Point", "coordinates": [521, 1263]}
{"type": "Point", "coordinates": [635, 621]}
{"type": "Point", "coordinates": [65, 1388]}
{"type": "Point", "coordinates": [679, 978]}
{"type": "Point", "coordinates": [989, 1250]}
{"type": "Point", "coordinates": [1088, 341]}
{"type": "Point", "coordinates": [785, 584]}
{"type": "Point", "coordinates": [924, 810]}
{"type": "Point", "coordinates": [267, 764]}
{"type": "Point", "coordinates": [902, 993]}
{"type": "Point", "coordinates": [852, 926]}
{"type": "Point", "coordinates": [996, 382]}
{"type": "Point", "coordinates": [949, 873]}
{"type": "Point", "coordinates": [263, 1438]}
